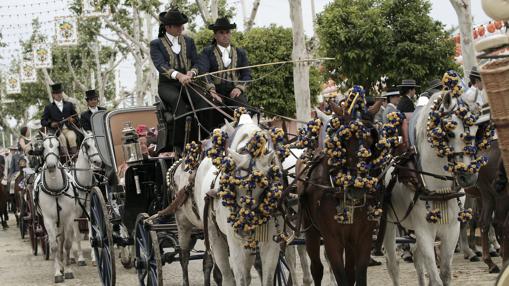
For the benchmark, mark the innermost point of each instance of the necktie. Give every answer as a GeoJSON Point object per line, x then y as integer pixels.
{"type": "Point", "coordinates": [175, 45]}
{"type": "Point", "coordinates": [226, 58]}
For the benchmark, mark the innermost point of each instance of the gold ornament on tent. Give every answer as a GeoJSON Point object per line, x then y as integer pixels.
{"type": "Point", "coordinates": [66, 31]}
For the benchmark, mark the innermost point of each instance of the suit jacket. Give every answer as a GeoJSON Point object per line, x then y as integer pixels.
{"type": "Point", "coordinates": [406, 104]}
{"type": "Point", "coordinates": [53, 114]}
{"type": "Point", "coordinates": [210, 60]}
{"type": "Point", "coordinates": [166, 61]}
{"type": "Point", "coordinates": [85, 118]}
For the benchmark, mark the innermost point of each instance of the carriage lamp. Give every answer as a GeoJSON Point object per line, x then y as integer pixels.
{"type": "Point", "coordinates": [130, 144]}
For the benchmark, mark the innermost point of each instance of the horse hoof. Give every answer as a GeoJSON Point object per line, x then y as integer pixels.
{"type": "Point", "coordinates": [478, 253]}
{"type": "Point", "coordinates": [493, 254]}
{"type": "Point", "coordinates": [59, 279]}
{"type": "Point", "coordinates": [495, 269]}
{"type": "Point", "coordinates": [73, 260]}
{"type": "Point", "coordinates": [94, 263]}
{"type": "Point", "coordinates": [378, 253]}
{"type": "Point", "coordinates": [82, 263]}
{"type": "Point", "coordinates": [69, 275]}
{"type": "Point", "coordinates": [475, 259]}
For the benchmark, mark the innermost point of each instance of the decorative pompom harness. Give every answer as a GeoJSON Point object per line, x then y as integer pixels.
{"type": "Point", "coordinates": [440, 127]}
{"type": "Point", "coordinates": [339, 133]}
{"type": "Point", "coordinates": [246, 212]}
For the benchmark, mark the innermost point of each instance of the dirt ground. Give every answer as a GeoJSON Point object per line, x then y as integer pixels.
{"type": "Point", "coordinates": [18, 267]}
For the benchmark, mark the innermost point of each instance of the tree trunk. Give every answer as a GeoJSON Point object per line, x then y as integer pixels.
{"type": "Point", "coordinates": [464, 13]}
{"type": "Point", "coordinates": [48, 81]}
{"type": "Point", "coordinates": [249, 22]}
{"type": "Point", "coordinates": [301, 69]}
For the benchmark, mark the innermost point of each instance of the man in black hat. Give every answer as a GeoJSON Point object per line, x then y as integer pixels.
{"type": "Point", "coordinates": [434, 86]}
{"type": "Point", "coordinates": [92, 104]}
{"type": "Point", "coordinates": [227, 88]}
{"type": "Point", "coordinates": [54, 115]}
{"type": "Point", "coordinates": [407, 90]}
{"type": "Point", "coordinates": [174, 55]}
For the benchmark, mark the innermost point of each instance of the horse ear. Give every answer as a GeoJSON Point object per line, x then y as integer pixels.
{"type": "Point", "coordinates": [228, 127]}
{"type": "Point", "coordinates": [255, 118]}
{"type": "Point", "coordinates": [241, 160]}
{"type": "Point", "coordinates": [338, 110]}
{"type": "Point", "coordinates": [447, 101]}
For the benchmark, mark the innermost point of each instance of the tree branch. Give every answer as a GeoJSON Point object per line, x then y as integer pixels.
{"type": "Point", "coordinates": [73, 73]}
{"type": "Point", "coordinates": [48, 81]}
{"type": "Point", "coordinates": [125, 35]}
{"type": "Point", "coordinates": [249, 22]}
{"type": "Point", "coordinates": [202, 6]}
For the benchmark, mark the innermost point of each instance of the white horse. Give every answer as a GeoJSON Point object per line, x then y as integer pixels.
{"type": "Point", "coordinates": [402, 197]}
{"type": "Point", "coordinates": [230, 252]}
{"type": "Point", "coordinates": [83, 180]}
{"type": "Point", "coordinates": [54, 196]}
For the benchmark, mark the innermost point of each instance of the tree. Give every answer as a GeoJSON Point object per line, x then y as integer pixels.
{"type": "Point", "coordinates": [300, 69]}
{"type": "Point", "coordinates": [464, 13]}
{"type": "Point", "coordinates": [371, 38]}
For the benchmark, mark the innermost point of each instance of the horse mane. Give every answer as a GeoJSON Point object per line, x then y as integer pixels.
{"type": "Point", "coordinates": [420, 126]}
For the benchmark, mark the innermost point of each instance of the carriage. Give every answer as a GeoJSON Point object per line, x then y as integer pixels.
{"type": "Point", "coordinates": [134, 189]}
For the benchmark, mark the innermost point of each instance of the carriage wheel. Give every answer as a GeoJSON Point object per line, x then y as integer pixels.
{"type": "Point", "coordinates": [282, 276]}
{"type": "Point", "coordinates": [148, 256]}
{"type": "Point", "coordinates": [101, 237]}
{"type": "Point", "coordinates": [32, 222]}
{"type": "Point", "coordinates": [22, 214]}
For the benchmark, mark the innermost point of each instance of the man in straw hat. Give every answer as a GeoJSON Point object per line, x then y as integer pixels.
{"type": "Point", "coordinates": [92, 107]}
{"type": "Point", "coordinates": [60, 115]}
{"type": "Point", "coordinates": [228, 88]}
{"type": "Point", "coordinates": [393, 98]}
{"type": "Point", "coordinates": [174, 56]}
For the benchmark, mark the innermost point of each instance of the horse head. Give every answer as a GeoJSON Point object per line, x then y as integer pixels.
{"type": "Point", "coordinates": [90, 152]}
{"type": "Point", "coordinates": [452, 131]}
{"type": "Point", "coordinates": [51, 151]}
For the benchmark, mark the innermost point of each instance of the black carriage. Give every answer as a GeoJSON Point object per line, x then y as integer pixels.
{"type": "Point", "coordinates": [135, 188]}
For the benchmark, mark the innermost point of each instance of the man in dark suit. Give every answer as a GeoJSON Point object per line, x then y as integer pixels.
{"type": "Point", "coordinates": [56, 112]}
{"type": "Point", "coordinates": [227, 88]}
{"type": "Point", "coordinates": [174, 55]}
{"type": "Point", "coordinates": [92, 104]}
{"type": "Point", "coordinates": [407, 90]}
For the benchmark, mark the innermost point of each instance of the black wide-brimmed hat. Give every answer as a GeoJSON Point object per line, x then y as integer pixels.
{"type": "Point", "coordinates": [434, 84]}
{"type": "Point", "coordinates": [90, 94]}
{"type": "Point", "coordinates": [172, 17]}
{"type": "Point", "coordinates": [57, 88]}
{"type": "Point", "coordinates": [475, 73]}
{"type": "Point", "coordinates": [408, 83]}
{"type": "Point", "coordinates": [222, 24]}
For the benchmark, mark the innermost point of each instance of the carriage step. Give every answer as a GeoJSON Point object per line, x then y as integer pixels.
{"type": "Point", "coordinates": [80, 219]}
{"type": "Point", "coordinates": [120, 241]}
{"type": "Point", "coordinates": [405, 239]}
{"type": "Point", "coordinates": [162, 227]}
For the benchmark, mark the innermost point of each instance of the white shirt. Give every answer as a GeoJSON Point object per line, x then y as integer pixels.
{"type": "Point", "coordinates": [175, 47]}
{"type": "Point", "coordinates": [93, 109]}
{"type": "Point", "coordinates": [474, 97]}
{"type": "Point", "coordinates": [225, 55]}
{"type": "Point", "coordinates": [60, 105]}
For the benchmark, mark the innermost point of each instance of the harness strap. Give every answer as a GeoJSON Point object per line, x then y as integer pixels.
{"type": "Point", "coordinates": [59, 208]}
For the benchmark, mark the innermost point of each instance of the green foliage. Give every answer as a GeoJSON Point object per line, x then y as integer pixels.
{"type": "Point", "coordinates": [371, 38]}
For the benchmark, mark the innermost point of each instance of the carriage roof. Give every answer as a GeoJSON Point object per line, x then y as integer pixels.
{"type": "Point", "coordinates": [107, 128]}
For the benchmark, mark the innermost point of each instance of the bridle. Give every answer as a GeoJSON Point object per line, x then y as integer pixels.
{"type": "Point", "coordinates": [85, 149]}
{"type": "Point", "coordinates": [47, 154]}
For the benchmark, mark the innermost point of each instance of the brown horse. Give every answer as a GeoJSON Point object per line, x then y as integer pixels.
{"type": "Point", "coordinates": [493, 203]}
{"type": "Point", "coordinates": [320, 202]}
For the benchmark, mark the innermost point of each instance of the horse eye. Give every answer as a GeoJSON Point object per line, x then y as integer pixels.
{"type": "Point", "coordinates": [451, 135]}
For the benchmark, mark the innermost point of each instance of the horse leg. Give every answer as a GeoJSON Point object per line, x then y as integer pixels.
{"type": "Point", "coordinates": [54, 242]}
{"type": "Point", "coordinates": [335, 256]}
{"type": "Point", "coordinates": [306, 273]}
{"type": "Point", "coordinates": [208, 266]}
{"type": "Point", "coordinates": [486, 220]}
{"type": "Point", "coordinates": [184, 236]}
{"type": "Point", "coordinates": [269, 252]}
{"type": "Point", "coordinates": [426, 247]}
{"type": "Point", "coordinates": [291, 260]}
{"type": "Point", "coordinates": [241, 260]}
{"type": "Point", "coordinates": [313, 250]}
{"type": "Point", "coordinates": [390, 253]}
{"type": "Point", "coordinates": [362, 257]}
{"type": "Point", "coordinates": [77, 240]}
{"type": "Point", "coordinates": [505, 241]}
{"type": "Point", "coordinates": [219, 251]}
{"type": "Point", "coordinates": [350, 263]}
{"type": "Point", "coordinates": [494, 246]}
{"type": "Point", "coordinates": [67, 244]}
{"type": "Point", "coordinates": [447, 245]}
{"type": "Point", "coordinates": [463, 242]}
{"type": "Point", "coordinates": [419, 265]}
